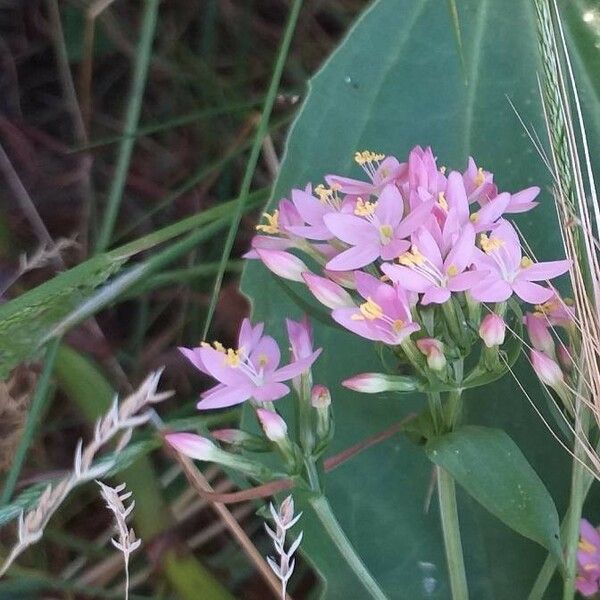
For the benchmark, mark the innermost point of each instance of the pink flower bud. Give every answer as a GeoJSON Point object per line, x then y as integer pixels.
{"type": "Point", "coordinates": [344, 278]}
{"type": "Point", "coordinates": [283, 263]}
{"type": "Point", "coordinates": [539, 334]}
{"type": "Point", "coordinates": [231, 436]}
{"type": "Point", "coordinates": [374, 383]}
{"type": "Point", "coordinates": [565, 357]}
{"type": "Point", "coordinates": [434, 351]}
{"type": "Point", "coordinates": [492, 330]}
{"type": "Point", "coordinates": [192, 445]}
{"type": "Point", "coordinates": [546, 369]}
{"type": "Point", "coordinates": [320, 396]}
{"type": "Point", "coordinates": [273, 425]}
{"type": "Point", "coordinates": [300, 336]}
{"type": "Point", "coordinates": [327, 292]}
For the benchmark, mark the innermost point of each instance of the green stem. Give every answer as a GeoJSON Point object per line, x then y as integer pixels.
{"type": "Point", "coordinates": [132, 116]}
{"type": "Point", "coordinates": [254, 155]}
{"type": "Point", "coordinates": [436, 409]}
{"type": "Point", "coordinates": [325, 515]}
{"type": "Point", "coordinates": [576, 500]}
{"type": "Point", "coordinates": [451, 530]}
{"type": "Point", "coordinates": [38, 405]}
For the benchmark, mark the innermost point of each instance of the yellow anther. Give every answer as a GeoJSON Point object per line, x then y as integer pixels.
{"type": "Point", "coordinates": [370, 310]}
{"type": "Point", "coordinates": [490, 244]}
{"type": "Point", "coordinates": [336, 187]}
{"type": "Point", "coordinates": [219, 347]}
{"type": "Point", "coordinates": [366, 156]}
{"type": "Point", "coordinates": [443, 169]}
{"type": "Point", "coordinates": [272, 224]}
{"type": "Point", "coordinates": [587, 546]}
{"type": "Point", "coordinates": [386, 233]}
{"type": "Point", "coordinates": [442, 201]}
{"type": "Point", "coordinates": [322, 192]}
{"type": "Point", "coordinates": [412, 258]}
{"type": "Point", "coordinates": [232, 358]}
{"type": "Point", "coordinates": [397, 325]}
{"type": "Point", "coordinates": [364, 209]}
{"type": "Point", "coordinates": [263, 360]}
{"type": "Point", "coordinates": [452, 270]}
{"type": "Point", "coordinates": [474, 217]}
{"type": "Point", "coordinates": [479, 178]}
{"type": "Point", "coordinates": [526, 262]}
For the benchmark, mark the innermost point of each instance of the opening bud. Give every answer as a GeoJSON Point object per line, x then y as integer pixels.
{"type": "Point", "coordinates": [434, 351]}
{"type": "Point", "coordinates": [192, 445]}
{"type": "Point", "coordinates": [282, 263]}
{"type": "Point", "coordinates": [374, 383]}
{"type": "Point", "coordinates": [320, 396]}
{"type": "Point", "coordinates": [492, 330]}
{"type": "Point", "coordinates": [327, 292]}
{"type": "Point", "coordinates": [273, 425]}
{"type": "Point", "coordinates": [547, 370]}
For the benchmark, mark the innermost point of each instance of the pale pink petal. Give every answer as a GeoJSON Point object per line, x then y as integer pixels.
{"type": "Point", "coordinates": [284, 264]}
{"type": "Point", "coordinates": [395, 248]}
{"type": "Point", "coordinates": [390, 206]}
{"type": "Point", "coordinates": [266, 354]}
{"type": "Point", "coordinates": [228, 396]}
{"type": "Point", "coordinates": [270, 392]}
{"type": "Point", "coordinates": [427, 245]}
{"type": "Point", "coordinates": [366, 284]}
{"type": "Point", "coordinates": [532, 292]}
{"type": "Point", "coordinates": [492, 211]}
{"type": "Point", "coordinates": [297, 367]}
{"type": "Point", "coordinates": [249, 335]}
{"type": "Point", "coordinates": [461, 254]}
{"type": "Point", "coordinates": [351, 229]}
{"type": "Point", "coordinates": [215, 364]}
{"type": "Point", "coordinates": [511, 247]}
{"type": "Point", "coordinates": [544, 270]}
{"type": "Point", "coordinates": [406, 278]}
{"type": "Point", "coordinates": [311, 209]}
{"type": "Point", "coordinates": [456, 195]}
{"type": "Point", "coordinates": [327, 292]}
{"type": "Point", "coordinates": [360, 327]}
{"type": "Point", "coordinates": [417, 217]}
{"type": "Point", "coordinates": [193, 355]}
{"type": "Point", "coordinates": [466, 281]}
{"type": "Point", "coordinates": [492, 291]}
{"type": "Point", "coordinates": [347, 185]}
{"type": "Point", "coordinates": [354, 258]}
{"type": "Point", "coordinates": [436, 295]}
{"type": "Point", "coordinates": [311, 232]}
{"type": "Point", "coordinates": [524, 200]}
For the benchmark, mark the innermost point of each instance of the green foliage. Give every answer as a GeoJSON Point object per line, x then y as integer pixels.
{"type": "Point", "coordinates": [397, 81]}
{"type": "Point", "coordinates": [490, 466]}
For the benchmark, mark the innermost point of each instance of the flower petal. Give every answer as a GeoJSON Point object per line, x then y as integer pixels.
{"type": "Point", "coordinates": [390, 206]}
{"type": "Point", "coordinates": [532, 292]}
{"type": "Point", "coordinates": [311, 209]}
{"type": "Point", "coordinates": [270, 392]}
{"type": "Point", "coordinates": [193, 355]}
{"type": "Point", "coordinates": [492, 290]}
{"type": "Point", "coordinates": [417, 217]}
{"type": "Point", "coordinates": [227, 396]}
{"type": "Point", "coordinates": [354, 258]}
{"type": "Point", "coordinates": [466, 280]}
{"type": "Point", "coordinates": [215, 364]}
{"type": "Point", "coordinates": [406, 278]}
{"type": "Point", "coordinates": [296, 368]}
{"type": "Point", "coordinates": [435, 295]}
{"type": "Point", "coordinates": [544, 270]}
{"type": "Point", "coordinates": [350, 228]}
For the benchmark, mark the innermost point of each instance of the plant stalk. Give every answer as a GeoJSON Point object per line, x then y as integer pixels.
{"type": "Point", "coordinates": [325, 514]}
{"type": "Point", "coordinates": [451, 531]}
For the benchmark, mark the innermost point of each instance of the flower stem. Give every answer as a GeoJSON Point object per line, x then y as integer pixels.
{"type": "Point", "coordinates": [324, 513]}
{"type": "Point", "coordinates": [576, 500]}
{"type": "Point", "coordinates": [451, 530]}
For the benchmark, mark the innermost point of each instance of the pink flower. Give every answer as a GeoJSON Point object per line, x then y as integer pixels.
{"type": "Point", "coordinates": [492, 330]}
{"type": "Point", "coordinates": [588, 560]}
{"type": "Point", "coordinates": [384, 316]}
{"type": "Point", "coordinates": [509, 271]}
{"type": "Point", "coordinates": [313, 211]}
{"type": "Point", "coordinates": [424, 179]}
{"type": "Point", "coordinates": [479, 184]}
{"type": "Point", "coordinates": [426, 271]}
{"type": "Point", "coordinates": [327, 292]}
{"type": "Point", "coordinates": [381, 170]}
{"type": "Point", "coordinates": [376, 229]}
{"type": "Point", "coordinates": [251, 371]}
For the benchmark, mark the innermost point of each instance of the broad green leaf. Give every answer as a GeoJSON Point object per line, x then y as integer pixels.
{"type": "Point", "coordinates": [490, 466]}
{"type": "Point", "coordinates": [394, 82]}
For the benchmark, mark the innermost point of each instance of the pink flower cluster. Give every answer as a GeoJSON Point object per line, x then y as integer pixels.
{"type": "Point", "coordinates": [588, 560]}
{"type": "Point", "coordinates": [411, 233]}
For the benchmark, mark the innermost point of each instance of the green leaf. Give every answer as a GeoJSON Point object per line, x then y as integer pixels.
{"type": "Point", "coordinates": [394, 82]}
{"type": "Point", "coordinates": [490, 466]}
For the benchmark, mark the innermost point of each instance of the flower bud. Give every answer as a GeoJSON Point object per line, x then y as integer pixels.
{"type": "Point", "coordinates": [539, 334]}
{"type": "Point", "coordinates": [434, 351]}
{"type": "Point", "coordinates": [344, 278]}
{"type": "Point", "coordinates": [565, 357]}
{"type": "Point", "coordinates": [283, 263]}
{"type": "Point", "coordinates": [327, 292]}
{"type": "Point", "coordinates": [320, 396]}
{"type": "Point", "coordinates": [300, 336]}
{"type": "Point", "coordinates": [374, 383]}
{"type": "Point", "coordinates": [492, 330]}
{"type": "Point", "coordinates": [547, 370]}
{"type": "Point", "coordinates": [192, 445]}
{"type": "Point", "coordinates": [273, 425]}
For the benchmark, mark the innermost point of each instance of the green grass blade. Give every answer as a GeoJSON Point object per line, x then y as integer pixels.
{"type": "Point", "coordinates": [38, 405]}
{"type": "Point", "coordinates": [254, 154]}
{"type": "Point", "coordinates": [142, 62]}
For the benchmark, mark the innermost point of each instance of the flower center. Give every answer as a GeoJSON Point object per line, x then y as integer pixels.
{"type": "Point", "coordinates": [398, 325]}
{"type": "Point", "coordinates": [364, 209]}
{"type": "Point", "coordinates": [370, 310]}
{"type": "Point", "coordinates": [526, 262]}
{"type": "Point", "coordinates": [329, 195]}
{"type": "Point", "coordinates": [272, 224]}
{"type": "Point", "coordinates": [452, 270]}
{"type": "Point", "coordinates": [386, 233]}
{"type": "Point", "coordinates": [474, 217]}
{"type": "Point", "coordinates": [489, 245]}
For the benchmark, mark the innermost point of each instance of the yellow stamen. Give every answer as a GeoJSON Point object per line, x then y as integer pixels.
{"type": "Point", "coordinates": [442, 201]}
{"type": "Point", "coordinates": [474, 217]}
{"type": "Point", "coordinates": [397, 325]}
{"type": "Point", "coordinates": [263, 360]}
{"type": "Point", "coordinates": [587, 546]}
{"type": "Point", "coordinates": [443, 169]}
{"type": "Point", "coordinates": [366, 156]}
{"type": "Point", "coordinates": [526, 262]}
{"type": "Point", "coordinates": [370, 310]}
{"type": "Point", "coordinates": [272, 224]}
{"type": "Point", "coordinates": [490, 244]}
{"type": "Point", "coordinates": [452, 270]}
{"type": "Point", "coordinates": [412, 258]}
{"type": "Point", "coordinates": [232, 358]}
{"type": "Point", "coordinates": [384, 173]}
{"type": "Point", "coordinates": [364, 209]}
{"type": "Point", "coordinates": [479, 178]}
